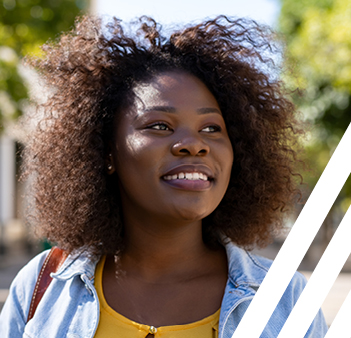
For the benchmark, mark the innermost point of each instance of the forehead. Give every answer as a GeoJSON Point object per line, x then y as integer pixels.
{"type": "Point", "coordinates": [174, 89]}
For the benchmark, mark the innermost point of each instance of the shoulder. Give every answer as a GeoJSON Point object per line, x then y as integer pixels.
{"type": "Point", "coordinates": [15, 311]}
{"type": "Point", "coordinates": [248, 268]}
{"type": "Point", "coordinates": [31, 270]}
{"type": "Point", "coordinates": [318, 327]}
{"type": "Point", "coordinates": [297, 282]}
{"type": "Point", "coordinates": [296, 285]}
{"type": "Point", "coordinates": [22, 287]}
{"type": "Point", "coordinates": [246, 273]}
{"type": "Point", "coordinates": [70, 289]}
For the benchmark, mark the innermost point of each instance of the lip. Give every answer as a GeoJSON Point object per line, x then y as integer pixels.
{"type": "Point", "coordinates": [190, 185]}
{"type": "Point", "coordinates": [190, 168]}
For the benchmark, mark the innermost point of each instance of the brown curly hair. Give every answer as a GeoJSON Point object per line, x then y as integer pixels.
{"type": "Point", "coordinates": [91, 73]}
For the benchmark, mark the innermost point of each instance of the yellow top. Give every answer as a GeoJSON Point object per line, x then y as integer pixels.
{"type": "Point", "coordinates": [112, 324]}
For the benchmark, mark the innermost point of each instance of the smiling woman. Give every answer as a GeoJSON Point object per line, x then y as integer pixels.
{"type": "Point", "coordinates": [157, 163]}
{"type": "Point", "coordinates": [174, 134]}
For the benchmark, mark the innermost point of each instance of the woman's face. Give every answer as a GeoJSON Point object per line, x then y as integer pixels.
{"type": "Point", "coordinates": [171, 150]}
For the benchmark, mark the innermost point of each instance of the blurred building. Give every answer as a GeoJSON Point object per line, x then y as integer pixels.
{"type": "Point", "coordinates": [12, 230]}
{"type": "Point", "coordinates": [14, 235]}
{"type": "Point", "coordinates": [7, 184]}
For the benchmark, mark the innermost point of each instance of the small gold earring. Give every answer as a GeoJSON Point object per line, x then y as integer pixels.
{"type": "Point", "coordinates": [109, 166]}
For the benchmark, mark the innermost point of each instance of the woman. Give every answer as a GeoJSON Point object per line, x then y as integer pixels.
{"type": "Point", "coordinates": [157, 161]}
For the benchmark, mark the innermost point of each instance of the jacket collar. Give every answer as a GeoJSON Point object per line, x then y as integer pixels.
{"type": "Point", "coordinates": [79, 263]}
{"type": "Point", "coordinates": [243, 268]}
{"type": "Point", "coordinates": [245, 274]}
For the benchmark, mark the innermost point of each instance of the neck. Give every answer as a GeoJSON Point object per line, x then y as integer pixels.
{"type": "Point", "coordinates": [157, 250]}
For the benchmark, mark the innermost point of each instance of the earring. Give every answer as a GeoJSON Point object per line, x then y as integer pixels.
{"type": "Point", "coordinates": [109, 166]}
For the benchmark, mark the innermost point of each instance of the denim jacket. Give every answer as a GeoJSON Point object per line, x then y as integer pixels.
{"type": "Point", "coordinates": [70, 306]}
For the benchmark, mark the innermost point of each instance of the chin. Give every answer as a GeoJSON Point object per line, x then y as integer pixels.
{"type": "Point", "coordinates": [192, 215]}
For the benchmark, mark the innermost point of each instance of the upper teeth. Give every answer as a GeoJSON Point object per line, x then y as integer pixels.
{"type": "Point", "coordinates": [186, 176]}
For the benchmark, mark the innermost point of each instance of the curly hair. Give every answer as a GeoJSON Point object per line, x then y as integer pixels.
{"type": "Point", "coordinates": [91, 72]}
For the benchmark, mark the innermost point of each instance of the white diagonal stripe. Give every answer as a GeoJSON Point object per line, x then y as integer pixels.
{"type": "Point", "coordinates": [297, 243]}
{"type": "Point", "coordinates": [320, 283]}
{"type": "Point", "coordinates": [341, 326]}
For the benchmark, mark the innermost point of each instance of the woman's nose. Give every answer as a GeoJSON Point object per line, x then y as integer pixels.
{"type": "Point", "coordinates": [190, 145]}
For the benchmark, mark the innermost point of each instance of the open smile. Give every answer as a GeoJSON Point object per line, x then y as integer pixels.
{"type": "Point", "coordinates": [189, 177]}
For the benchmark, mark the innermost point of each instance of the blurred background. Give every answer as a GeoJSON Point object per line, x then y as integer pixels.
{"type": "Point", "coordinates": [317, 35]}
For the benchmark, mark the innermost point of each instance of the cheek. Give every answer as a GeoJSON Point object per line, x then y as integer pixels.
{"type": "Point", "coordinates": [231, 157]}
{"type": "Point", "coordinates": [135, 145]}
{"type": "Point", "coordinates": [227, 164]}
{"type": "Point", "coordinates": [133, 155]}
{"type": "Point", "coordinates": [227, 157]}
{"type": "Point", "coordinates": [129, 144]}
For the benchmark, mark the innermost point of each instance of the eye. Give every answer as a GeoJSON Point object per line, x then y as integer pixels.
{"type": "Point", "coordinates": [211, 129]}
{"type": "Point", "coordinates": [159, 126]}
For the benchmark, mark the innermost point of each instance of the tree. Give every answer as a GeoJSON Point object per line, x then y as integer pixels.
{"type": "Point", "coordinates": [318, 36]}
{"type": "Point", "coordinates": [24, 26]}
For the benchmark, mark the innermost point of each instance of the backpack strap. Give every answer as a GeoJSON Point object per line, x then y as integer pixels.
{"type": "Point", "coordinates": [52, 263]}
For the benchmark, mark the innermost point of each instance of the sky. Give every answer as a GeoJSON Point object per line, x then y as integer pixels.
{"type": "Point", "coordinates": [185, 11]}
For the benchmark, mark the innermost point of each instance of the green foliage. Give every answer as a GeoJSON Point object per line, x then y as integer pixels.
{"type": "Point", "coordinates": [24, 26]}
{"type": "Point", "coordinates": [318, 35]}
{"type": "Point", "coordinates": [321, 37]}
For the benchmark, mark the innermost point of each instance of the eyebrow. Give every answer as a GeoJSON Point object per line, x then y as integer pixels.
{"type": "Point", "coordinates": [209, 111]}
{"type": "Point", "coordinates": [167, 109]}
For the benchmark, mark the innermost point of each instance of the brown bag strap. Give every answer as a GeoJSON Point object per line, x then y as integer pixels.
{"type": "Point", "coordinates": [52, 263]}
